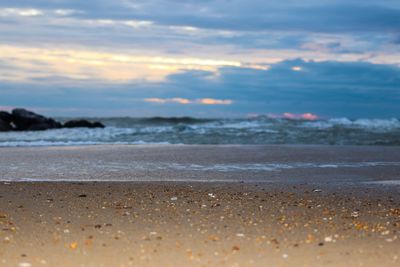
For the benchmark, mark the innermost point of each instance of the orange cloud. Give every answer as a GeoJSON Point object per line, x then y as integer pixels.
{"type": "Point", "coordinates": [33, 63]}
{"type": "Point", "coordinates": [211, 101]}
{"type": "Point", "coordinates": [297, 68]}
{"type": "Point", "coordinates": [309, 116]}
{"type": "Point", "coordinates": [168, 100]}
{"type": "Point", "coordinates": [184, 101]}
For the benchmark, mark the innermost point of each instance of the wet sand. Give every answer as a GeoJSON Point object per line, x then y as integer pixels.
{"type": "Point", "coordinates": [283, 217]}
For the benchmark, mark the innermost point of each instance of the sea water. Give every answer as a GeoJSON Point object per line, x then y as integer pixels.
{"type": "Point", "coordinates": [258, 130]}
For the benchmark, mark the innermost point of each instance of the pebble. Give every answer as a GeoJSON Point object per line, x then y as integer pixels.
{"type": "Point", "coordinates": [24, 264]}
{"type": "Point", "coordinates": [354, 214]}
{"type": "Point", "coordinates": [174, 198]}
{"type": "Point", "coordinates": [385, 232]}
{"type": "Point", "coordinates": [73, 245]}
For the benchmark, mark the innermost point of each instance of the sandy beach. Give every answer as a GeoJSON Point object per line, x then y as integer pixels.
{"type": "Point", "coordinates": [200, 206]}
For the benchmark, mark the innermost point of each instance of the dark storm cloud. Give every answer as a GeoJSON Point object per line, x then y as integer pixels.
{"type": "Point", "coordinates": [255, 24]}
{"type": "Point", "coordinates": [255, 15]}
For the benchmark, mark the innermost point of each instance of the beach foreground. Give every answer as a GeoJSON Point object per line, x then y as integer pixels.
{"type": "Point", "coordinates": [206, 206]}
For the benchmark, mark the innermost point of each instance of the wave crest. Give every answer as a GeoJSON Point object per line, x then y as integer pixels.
{"type": "Point", "coordinates": [187, 130]}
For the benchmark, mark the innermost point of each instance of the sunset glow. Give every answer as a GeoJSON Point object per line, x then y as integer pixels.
{"type": "Point", "coordinates": [202, 58]}
{"type": "Point", "coordinates": [203, 101]}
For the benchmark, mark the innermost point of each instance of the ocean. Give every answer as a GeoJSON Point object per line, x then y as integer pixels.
{"type": "Point", "coordinates": [186, 130]}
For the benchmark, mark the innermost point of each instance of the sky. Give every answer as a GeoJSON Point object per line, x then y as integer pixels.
{"type": "Point", "coordinates": [209, 58]}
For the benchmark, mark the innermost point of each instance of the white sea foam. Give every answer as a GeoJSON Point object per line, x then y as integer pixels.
{"type": "Point", "coordinates": [367, 124]}
{"type": "Point", "coordinates": [62, 171]}
{"type": "Point", "coordinates": [386, 182]}
{"type": "Point", "coordinates": [75, 134]}
{"type": "Point", "coordinates": [269, 166]}
{"type": "Point", "coordinates": [243, 125]}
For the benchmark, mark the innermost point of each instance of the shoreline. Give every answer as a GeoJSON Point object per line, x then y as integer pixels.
{"type": "Point", "coordinates": [208, 163]}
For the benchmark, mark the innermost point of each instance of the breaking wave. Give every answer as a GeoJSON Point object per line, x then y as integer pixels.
{"type": "Point", "coordinates": [187, 130]}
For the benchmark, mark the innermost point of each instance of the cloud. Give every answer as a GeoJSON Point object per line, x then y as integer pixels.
{"type": "Point", "coordinates": [252, 33]}
{"type": "Point", "coordinates": [210, 101]}
{"type": "Point", "coordinates": [66, 12]}
{"type": "Point", "coordinates": [234, 29]}
{"type": "Point", "coordinates": [336, 58]}
{"type": "Point", "coordinates": [24, 12]}
{"type": "Point", "coordinates": [30, 63]}
{"type": "Point", "coordinates": [297, 68]}
{"type": "Point", "coordinates": [329, 89]}
{"type": "Point", "coordinates": [184, 101]}
{"type": "Point", "coordinates": [254, 15]}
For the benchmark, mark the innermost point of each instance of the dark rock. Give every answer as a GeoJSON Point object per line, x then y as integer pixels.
{"type": "Point", "coordinates": [5, 116]}
{"type": "Point", "coordinates": [41, 127]}
{"type": "Point", "coordinates": [4, 126]}
{"type": "Point", "coordinates": [97, 124]}
{"type": "Point", "coordinates": [5, 121]}
{"type": "Point", "coordinates": [82, 124]}
{"type": "Point", "coordinates": [25, 120]}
